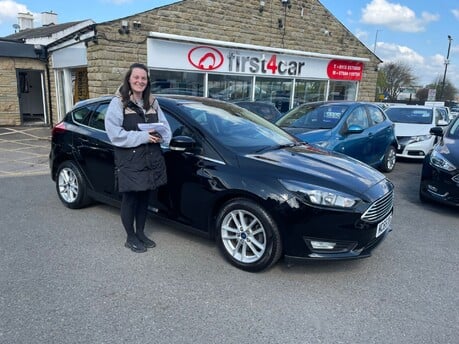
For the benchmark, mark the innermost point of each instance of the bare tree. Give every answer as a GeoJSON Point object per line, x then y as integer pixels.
{"type": "Point", "coordinates": [449, 91]}
{"type": "Point", "coordinates": [394, 76]}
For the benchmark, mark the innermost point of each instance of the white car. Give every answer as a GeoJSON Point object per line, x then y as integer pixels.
{"type": "Point", "coordinates": [412, 128]}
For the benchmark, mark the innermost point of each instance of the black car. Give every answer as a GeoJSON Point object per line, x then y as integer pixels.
{"type": "Point", "coordinates": [440, 169]}
{"type": "Point", "coordinates": [266, 110]}
{"type": "Point", "coordinates": [238, 179]}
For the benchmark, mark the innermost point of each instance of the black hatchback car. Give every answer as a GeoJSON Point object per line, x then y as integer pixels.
{"type": "Point", "coordinates": [440, 169]}
{"type": "Point", "coordinates": [238, 179]}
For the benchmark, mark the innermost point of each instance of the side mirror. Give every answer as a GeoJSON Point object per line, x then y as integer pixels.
{"type": "Point", "coordinates": [181, 143]}
{"type": "Point", "coordinates": [437, 131]}
{"type": "Point", "coordinates": [354, 129]}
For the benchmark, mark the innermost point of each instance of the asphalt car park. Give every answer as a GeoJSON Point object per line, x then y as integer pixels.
{"type": "Point", "coordinates": [65, 277]}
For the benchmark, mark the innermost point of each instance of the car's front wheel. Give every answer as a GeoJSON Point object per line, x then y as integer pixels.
{"type": "Point", "coordinates": [389, 159]}
{"type": "Point", "coordinates": [71, 186]}
{"type": "Point", "coordinates": [248, 236]}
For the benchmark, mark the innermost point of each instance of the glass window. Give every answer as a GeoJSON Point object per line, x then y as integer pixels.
{"type": "Point", "coordinates": [81, 115]}
{"type": "Point", "coordinates": [309, 91]}
{"type": "Point", "coordinates": [376, 115]}
{"type": "Point", "coordinates": [98, 116]}
{"type": "Point", "coordinates": [230, 87]}
{"type": "Point", "coordinates": [274, 90]}
{"type": "Point", "coordinates": [342, 90]}
{"type": "Point", "coordinates": [358, 117]}
{"type": "Point", "coordinates": [170, 82]}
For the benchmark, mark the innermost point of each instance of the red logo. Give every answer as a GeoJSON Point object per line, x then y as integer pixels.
{"type": "Point", "coordinates": [345, 70]}
{"type": "Point", "coordinates": [205, 58]}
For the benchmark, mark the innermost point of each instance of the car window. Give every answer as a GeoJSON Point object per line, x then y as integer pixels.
{"type": "Point", "coordinates": [178, 128]}
{"type": "Point", "coordinates": [358, 117]}
{"type": "Point", "coordinates": [441, 115]}
{"type": "Point", "coordinates": [98, 116]}
{"type": "Point", "coordinates": [453, 131]}
{"type": "Point", "coordinates": [81, 114]}
{"type": "Point", "coordinates": [376, 115]}
{"type": "Point", "coordinates": [410, 115]}
{"type": "Point", "coordinates": [312, 117]}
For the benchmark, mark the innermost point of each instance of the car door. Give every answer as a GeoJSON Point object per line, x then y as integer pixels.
{"type": "Point", "coordinates": [382, 133]}
{"type": "Point", "coordinates": [358, 145]}
{"type": "Point", "coordinates": [95, 153]}
{"type": "Point", "coordinates": [192, 182]}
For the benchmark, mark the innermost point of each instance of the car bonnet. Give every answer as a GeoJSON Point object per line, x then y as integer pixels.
{"type": "Point", "coordinates": [319, 167]}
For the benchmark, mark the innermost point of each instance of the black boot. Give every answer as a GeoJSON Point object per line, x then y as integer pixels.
{"type": "Point", "coordinates": [135, 244]}
{"type": "Point", "coordinates": [146, 241]}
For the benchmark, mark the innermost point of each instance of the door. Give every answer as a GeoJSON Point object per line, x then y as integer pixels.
{"type": "Point", "coordinates": [31, 96]}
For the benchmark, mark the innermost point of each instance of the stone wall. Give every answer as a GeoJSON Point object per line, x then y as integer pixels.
{"type": "Point", "coordinates": [306, 23]}
{"type": "Point", "coordinates": [9, 105]}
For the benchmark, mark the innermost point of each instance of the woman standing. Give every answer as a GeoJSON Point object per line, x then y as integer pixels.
{"type": "Point", "coordinates": [139, 163]}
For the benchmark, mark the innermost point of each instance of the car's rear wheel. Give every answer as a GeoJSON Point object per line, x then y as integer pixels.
{"type": "Point", "coordinates": [248, 236]}
{"type": "Point", "coordinates": [71, 186]}
{"type": "Point", "coordinates": [389, 159]}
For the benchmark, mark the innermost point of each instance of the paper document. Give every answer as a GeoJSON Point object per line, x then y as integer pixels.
{"type": "Point", "coordinates": [158, 127]}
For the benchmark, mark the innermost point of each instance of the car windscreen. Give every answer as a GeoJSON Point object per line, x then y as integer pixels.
{"type": "Point", "coordinates": [236, 128]}
{"type": "Point", "coordinates": [314, 117]}
{"type": "Point", "coordinates": [410, 115]}
{"type": "Point", "coordinates": [453, 131]}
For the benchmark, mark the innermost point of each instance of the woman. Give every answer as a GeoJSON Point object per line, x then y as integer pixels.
{"type": "Point", "coordinates": [139, 164]}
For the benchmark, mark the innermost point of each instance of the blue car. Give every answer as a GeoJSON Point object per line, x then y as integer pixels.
{"type": "Point", "coordinates": [358, 129]}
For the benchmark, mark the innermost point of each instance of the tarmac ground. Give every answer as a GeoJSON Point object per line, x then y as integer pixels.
{"type": "Point", "coordinates": [24, 150]}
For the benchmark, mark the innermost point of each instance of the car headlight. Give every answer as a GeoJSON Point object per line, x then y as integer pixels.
{"type": "Point", "coordinates": [438, 160]}
{"type": "Point", "coordinates": [319, 195]}
{"type": "Point", "coordinates": [420, 138]}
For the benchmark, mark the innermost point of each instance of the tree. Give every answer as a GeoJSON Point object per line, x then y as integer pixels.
{"type": "Point", "coordinates": [449, 91]}
{"type": "Point", "coordinates": [422, 94]}
{"type": "Point", "coordinates": [395, 75]}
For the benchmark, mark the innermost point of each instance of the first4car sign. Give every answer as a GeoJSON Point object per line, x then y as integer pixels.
{"type": "Point", "coordinates": [169, 54]}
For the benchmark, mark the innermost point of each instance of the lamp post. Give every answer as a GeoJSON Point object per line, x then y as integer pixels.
{"type": "Point", "coordinates": [446, 67]}
{"type": "Point", "coordinates": [376, 40]}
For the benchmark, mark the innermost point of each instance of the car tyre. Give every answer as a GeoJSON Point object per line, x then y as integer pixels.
{"type": "Point", "coordinates": [248, 236]}
{"type": "Point", "coordinates": [71, 186]}
{"type": "Point", "coordinates": [390, 157]}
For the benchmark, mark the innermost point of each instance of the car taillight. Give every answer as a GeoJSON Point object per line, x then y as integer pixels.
{"type": "Point", "coordinates": [58, 128]}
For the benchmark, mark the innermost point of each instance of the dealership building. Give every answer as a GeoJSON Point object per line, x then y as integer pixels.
{"type": "Point", "coordinates": [285, 52]}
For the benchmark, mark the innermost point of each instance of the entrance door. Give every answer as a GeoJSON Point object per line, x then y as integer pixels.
{"type": "Point", "coordinates": [31, 96]}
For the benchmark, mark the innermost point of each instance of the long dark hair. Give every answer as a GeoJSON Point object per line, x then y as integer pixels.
{"type": "Point", "coordinates": [125, 88]}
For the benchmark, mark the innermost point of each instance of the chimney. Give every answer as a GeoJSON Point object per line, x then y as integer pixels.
{"type": "Point", "coordinates": [48, 18]}
{"type": "Point", "coordinates": [25, 21]}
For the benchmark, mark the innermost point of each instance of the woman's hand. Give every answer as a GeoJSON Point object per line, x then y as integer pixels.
{"type": "Point", "coordinates": [155, 137]}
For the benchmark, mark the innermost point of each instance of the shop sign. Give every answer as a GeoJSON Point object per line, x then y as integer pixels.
{"type": "Point", "coordinates": [345, 70]}
{"type": "Point", "coordinates": [166, 54]}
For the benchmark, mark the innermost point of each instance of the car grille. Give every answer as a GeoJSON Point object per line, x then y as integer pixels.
{"type": "Point", "coordinates": [379, 209]}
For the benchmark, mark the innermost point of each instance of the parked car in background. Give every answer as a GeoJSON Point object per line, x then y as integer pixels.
{"type": "Point", "coordinates": [266, 110]}
{"type": "Point", "coordinates": [236, 178]}
{"type": "Point", "coordinates": [440, 169]}
{"type": "Point", "coordinates": [358, 129]}
{"type": "Point", "coordinates": [454, 111]}
{"type": "Point", "coordinates": [412, 127]}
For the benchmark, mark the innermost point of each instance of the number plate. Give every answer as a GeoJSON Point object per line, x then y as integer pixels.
{"type": "Point", "coordinates": [383, 225]}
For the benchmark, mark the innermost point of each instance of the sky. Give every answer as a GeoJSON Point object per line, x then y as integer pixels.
{"type": "Point", "coordinates": [414, 32]}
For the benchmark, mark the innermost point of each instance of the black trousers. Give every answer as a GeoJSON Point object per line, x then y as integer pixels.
{"type": "Point", "coordinates": [134, 207]}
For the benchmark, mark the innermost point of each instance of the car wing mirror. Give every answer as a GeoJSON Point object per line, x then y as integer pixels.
{"type": "Point", "coordinates": [182, 143]}
{"type": "Point", "coordinates": [354, 129]}
{"type": "Point", "coordinates": [437, 131]}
